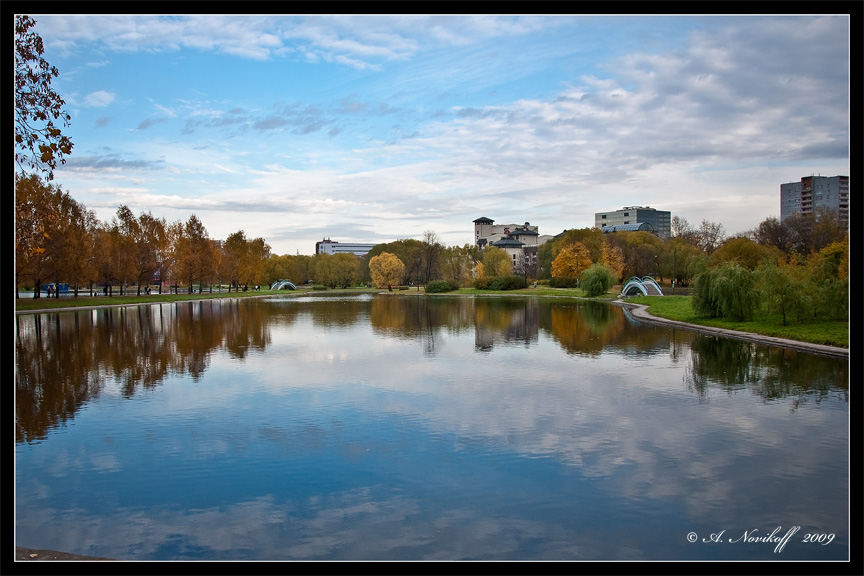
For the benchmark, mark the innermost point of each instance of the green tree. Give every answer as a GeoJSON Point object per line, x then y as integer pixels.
{"type": "Point", "coordinates": [597, 280]}
{"type": "Point", "coordinates": [726, 291]}
{"type": "Point", "coordinates": [39, 143]}
{"type": "Point", "coordinates": [781, 289]}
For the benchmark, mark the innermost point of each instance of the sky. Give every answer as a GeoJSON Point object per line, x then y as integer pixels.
{"type": "Point", "coordinates": [375, 128]}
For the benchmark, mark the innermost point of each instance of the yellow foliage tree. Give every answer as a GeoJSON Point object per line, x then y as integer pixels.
{"type": "Point", "coordinates": [571, 261]}
{"type": "Point", "coordinates": [386, 269]}
{"type": "Point", "coordinates": [496, 262]}
{"type": "Point", "coordinates": [613, 258]}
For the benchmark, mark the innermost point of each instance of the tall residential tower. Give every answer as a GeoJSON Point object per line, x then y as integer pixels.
{"type": "Point", "coordinates": [815, 192]}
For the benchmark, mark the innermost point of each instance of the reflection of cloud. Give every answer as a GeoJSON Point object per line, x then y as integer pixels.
{"type": "Point", "coordinates": [352, 525]}
{"type": "Point", "coordinates": [621, 425]}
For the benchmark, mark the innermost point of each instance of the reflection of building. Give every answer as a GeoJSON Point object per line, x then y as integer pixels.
{"type": "Point", "coordinates": [327, 246]}
{"type": "Point", "coordinates": [517, 240]}
{"type": "Point", "coordinates": [659, 220]}
{"type": "Point", "coordinates": [815, 192]}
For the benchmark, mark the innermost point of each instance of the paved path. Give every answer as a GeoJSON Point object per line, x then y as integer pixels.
{"type": "Point", "coordinates": [640, 312]}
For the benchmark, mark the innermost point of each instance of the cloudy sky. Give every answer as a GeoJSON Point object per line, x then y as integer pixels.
{"type": "Point", "coordinates": [378, 128]}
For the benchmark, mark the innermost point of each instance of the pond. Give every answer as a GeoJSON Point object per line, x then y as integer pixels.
{"type": "Point", "coordinates": [410, 427]}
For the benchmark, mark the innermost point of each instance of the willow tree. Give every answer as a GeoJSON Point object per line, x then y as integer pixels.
{"type": "Point", "coordinates": [726, 291]}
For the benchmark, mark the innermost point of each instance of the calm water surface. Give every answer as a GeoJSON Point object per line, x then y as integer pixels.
{"type": "Point", "coordinates": [410, 427]}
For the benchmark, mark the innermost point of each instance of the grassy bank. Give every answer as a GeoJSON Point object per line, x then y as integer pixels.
{"type": "Point", "coordinates": [816, 331]}
{"type": "Point", "coordinates": [43, 303]}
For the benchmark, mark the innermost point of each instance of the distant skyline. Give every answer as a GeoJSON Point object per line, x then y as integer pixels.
{"type": "Point", "coordinates": [378, 128]}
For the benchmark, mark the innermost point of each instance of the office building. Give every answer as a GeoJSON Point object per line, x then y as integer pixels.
{"type": "Point", "coordinates": [629, 217]}
{"type": "Point", "coordinates": [327, 246]}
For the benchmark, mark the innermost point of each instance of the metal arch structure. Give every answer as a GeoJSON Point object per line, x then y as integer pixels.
{"type": "Point", "coordinates": [646, 285]}
{"type": "Point", "coordinates": [283, 284]}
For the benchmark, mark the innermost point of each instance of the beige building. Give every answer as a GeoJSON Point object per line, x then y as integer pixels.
{"type": "Point", "coordinates": [520, 241]}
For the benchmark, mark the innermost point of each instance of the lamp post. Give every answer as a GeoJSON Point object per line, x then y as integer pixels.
{"type": "Point", "coordinates": [674, 250]}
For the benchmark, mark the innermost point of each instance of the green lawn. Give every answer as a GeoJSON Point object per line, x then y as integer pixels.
{"type": "Point", "coordinates": [816, 331]}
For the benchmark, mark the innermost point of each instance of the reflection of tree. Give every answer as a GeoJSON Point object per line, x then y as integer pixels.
{"type": "Point", "coordinates": [52, 382]}
{"type": "Point", "coordinates": [421, 317]}
{"type": "Point", "coordinates": [768, 372]}
{"type": "Point", "coordinates": [585, 327]}
{"type": "Point", "coordinates": [63, 360]}
{"type": "Point", "coordinates": [505, 320]}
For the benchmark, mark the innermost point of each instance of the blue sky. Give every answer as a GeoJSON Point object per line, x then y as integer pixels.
{"type": "Point", "coordinates": [378, 128]}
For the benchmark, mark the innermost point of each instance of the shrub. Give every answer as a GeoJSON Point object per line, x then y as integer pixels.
{"type": "Point", "coordinates": [564, 282]}
{"type": "Point", "coordinates": [438, 286]}
{"type": "Point", "coordinates": [508, 283]}
{"type": "Point", "coordinates": [597, 280]}
{"type": "Point", "coordinates": [482, 283]}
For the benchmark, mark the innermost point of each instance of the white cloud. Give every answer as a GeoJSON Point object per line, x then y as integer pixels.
{"type": "Point", "coordinates": [99, 99]}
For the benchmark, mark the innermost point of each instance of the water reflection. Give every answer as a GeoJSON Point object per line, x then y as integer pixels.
{"type": "Point", "coordinates": [63, 359]}
{"type": "Point", "coordinates": [766, 371]}
{"type": "Point", "coordinates": [411, 427]}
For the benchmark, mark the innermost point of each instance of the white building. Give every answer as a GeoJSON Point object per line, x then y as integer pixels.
{"type": "Point", "coordinates": [327, 246]}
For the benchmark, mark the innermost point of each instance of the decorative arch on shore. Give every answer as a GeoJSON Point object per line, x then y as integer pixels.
{"type": "Point", "coordinates": [646, 285]}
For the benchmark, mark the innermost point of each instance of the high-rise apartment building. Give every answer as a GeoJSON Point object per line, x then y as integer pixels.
{"type": "Point", "coordinates": [660, 220]}
{"type": "Point", "coordinates": [815, 192]}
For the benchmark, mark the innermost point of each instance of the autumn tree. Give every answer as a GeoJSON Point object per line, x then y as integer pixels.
{"type": "Point", "coordinates": [337, 269]}
{"type": "Point", "coordinates": [386, 269]}
{"type": "Point", "coordinates": [39, 143]}
{"type": "Point", "coordinates": [39, 232]}
{"type": "Point", "coordinates": [744, 251]}
{"type": "Point", "coordinates": [155, 248]}
{"type": "Point", "coordinates": [430, 257]}
{"type": "Point", "coordinates": [571, 261]}
{"type": "Point", "coordinates": [194, 254]}
{"type": "Point", "coordinates": [234, 259]}
{"type": "Point", "coordinates": [259, 253]}
{"type": "Point", "coordinates": [457, 263]}
{"type": "Point", "coordinates": [409, 251]}
{"type": "Point", "coordinates": [496, 262]}
{"type": "Point", "coordinates": [772, 232]}
{"type": "Point", "coordinates": [612, 257]}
